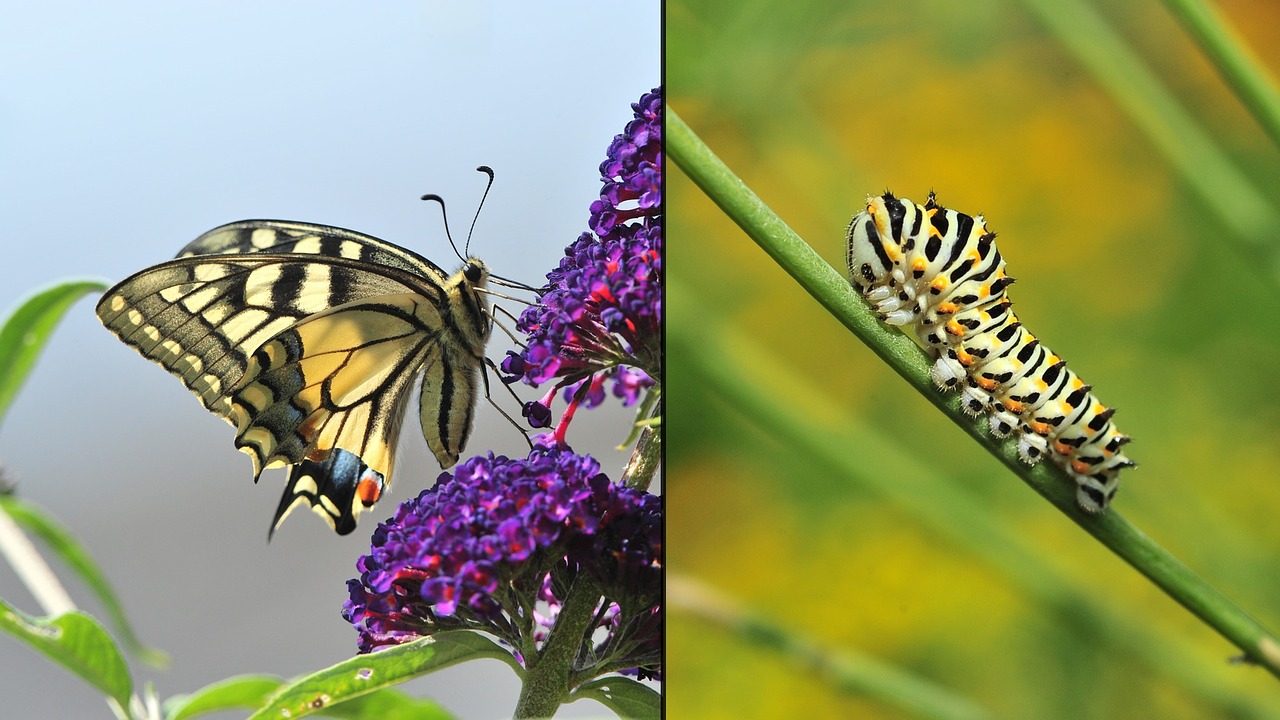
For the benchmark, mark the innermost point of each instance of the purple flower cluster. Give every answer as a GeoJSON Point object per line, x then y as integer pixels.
{"type": "Point", "coordinates": [601, 312]}
{"type": "Point", "coordinates": [496, 546]}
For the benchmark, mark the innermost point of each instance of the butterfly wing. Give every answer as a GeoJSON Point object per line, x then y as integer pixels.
{"type": "Point", "coordinates": [240, 287]}
{"type": "Point", "coordinates": [336, 489]}
{"type": "Point", "coordinates": [201, 317]}
{"type": "Point", "coordinates": [289, 237]}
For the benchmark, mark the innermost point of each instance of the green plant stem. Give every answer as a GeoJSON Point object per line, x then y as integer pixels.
{"type": "Point", "coordinates": [546, 681]}
{"type": "Point", "coordinates": [860, 674]}
{"type": "Point", "coordinates": [647, 456]}
{"type": "Point", "coordinates": [34, 572]}
{"type": "Point", "coordinates": [833, 292]}
{"type": "Point", "coordinates": [1238, 66]}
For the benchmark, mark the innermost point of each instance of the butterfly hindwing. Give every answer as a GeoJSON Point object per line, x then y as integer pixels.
{"type": "Point", "coordinates": [307, 338]}
{"type": "Point", "coordinates": [337, 379]}
{"type": "Point", "coordinates": [337, 489]}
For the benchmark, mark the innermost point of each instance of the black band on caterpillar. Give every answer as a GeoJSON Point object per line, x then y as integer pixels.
{"type": "Point", "coordinates": [939, 271]}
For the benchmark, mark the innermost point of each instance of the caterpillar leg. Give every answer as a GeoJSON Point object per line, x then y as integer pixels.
{"type": "Point", "coordinates": [1031, 447]}
{"type": "Point", "coordinates": [947, 373]}
{"type": "Point", "coordinates": [1003, 423]}
{"type": "Point", "coordinates": [1094, 492]}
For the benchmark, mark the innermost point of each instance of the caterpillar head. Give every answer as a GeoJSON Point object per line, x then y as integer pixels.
{"type": "Point", "coordinates": [875, 241]}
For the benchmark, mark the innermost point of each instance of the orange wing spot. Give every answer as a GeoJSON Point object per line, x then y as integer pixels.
{"type": "Point", "coordinates": [955, 328]}
{"type": "Point", "coordinates": [1039, 428]}
{"type": "Point", "coordinates": [1080, 467]}
{"type": "Point", "coordinates": [947, 308]}
{"type": "Point", "coordinates": [987, 383]}
{"type": "Point", "coordinates": [964, 357]}
{"type": "Point", "coordinates": [368, 490]}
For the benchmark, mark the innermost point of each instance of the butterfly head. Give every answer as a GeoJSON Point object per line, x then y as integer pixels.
{"type": "Point", "coordinates": [475, 271]}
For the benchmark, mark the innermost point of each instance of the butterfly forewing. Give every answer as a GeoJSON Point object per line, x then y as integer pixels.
{"type": "Point", "coordinates": [306, 339]}
{"type": "Point", "coordinates": [283, 236]}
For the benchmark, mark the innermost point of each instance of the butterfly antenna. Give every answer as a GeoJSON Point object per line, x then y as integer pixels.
{"type": "Point", "coordinates": [445, 216]}
{"type": "Point", "coordinates": [487, 171]}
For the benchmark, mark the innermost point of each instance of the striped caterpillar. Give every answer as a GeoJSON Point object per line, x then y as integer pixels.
{"type": "Point", "coordinates": [939, 271]}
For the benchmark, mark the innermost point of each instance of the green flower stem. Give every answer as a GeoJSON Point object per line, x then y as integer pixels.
{"type": "Point", "coordinates": [546, 681]}
{"type": "Point", "coordinates": [647, 456]}
{"type": "Point", "coordinates": [860, 674]}
{"type": "Point", "coordinates": [831, 290]}
{"type": "Point", "coordinates": [1234, 200]}
{"type": "Point", "coordinates": [1238, 66]}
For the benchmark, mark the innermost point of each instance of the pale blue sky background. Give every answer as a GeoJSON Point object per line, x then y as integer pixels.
{"type": "Point", "coordinates": [126, 130]}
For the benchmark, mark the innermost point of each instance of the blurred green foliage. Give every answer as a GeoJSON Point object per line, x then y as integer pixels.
{"type": "Point", "coordinates": [1121, 269]}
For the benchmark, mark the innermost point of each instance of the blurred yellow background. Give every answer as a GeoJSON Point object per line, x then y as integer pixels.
{"type": "Point", "coordinates": [1122, 268]}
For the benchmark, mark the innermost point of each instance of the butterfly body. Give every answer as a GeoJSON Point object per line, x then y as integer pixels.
{"type": "Point", "coordinates": [307, 339]}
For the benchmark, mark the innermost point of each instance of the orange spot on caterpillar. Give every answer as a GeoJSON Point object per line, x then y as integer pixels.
{"type": "Point", "coordinates": [1039, 428]}
{"type": "Point", "coordinates": [1014, 406]}
{"type": "Point", "coordinates": [1061, 448]}
{"type": "Point", "coordinates": [964, 357]}
{"type": "Point", "coordinates": [939, 283]}
{"type": "Point", "coordinates": [987, 383]}
{"type": "Point", "coordinates": [955, 328]}
{"type": "Point", "coordinates": [1080, 466]}
{"type": "Point", "coordinates": [947, 308]}
{"type": "Point", "coordinates": [919, 265]}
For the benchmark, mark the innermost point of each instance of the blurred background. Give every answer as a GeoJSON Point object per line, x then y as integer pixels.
{"type": "Point", "coordinates": [128, 129]}
{"type": "Point", "coordinates": [1143, 240]}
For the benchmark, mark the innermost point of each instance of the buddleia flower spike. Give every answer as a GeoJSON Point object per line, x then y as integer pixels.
{"type": "Point", "coordinates": [598, 321]}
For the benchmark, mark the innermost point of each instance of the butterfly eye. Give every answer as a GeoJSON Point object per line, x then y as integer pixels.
{"type": "Point", "coordinates": [954, 298]}
{"type": "Point", "coordinates": [472, 272]}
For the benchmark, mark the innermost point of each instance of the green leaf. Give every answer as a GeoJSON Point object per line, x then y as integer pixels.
{"type": "Point", "coordinates": [61, 541]}
{"type": "Point", "coordinates": [77, 642]}
{"type": "Point", "coordinates": [251, 692]}
{"type": "Point", "coordinates": [365, 674]}
{"type": "Point", "coordinates": [28, 326]}
{"type": "Point", "coordinates": [241, 691]}
{"type": "Point", "coordinates": [389, 705]}
{"type": "Point", "coordinates": [624, 696]}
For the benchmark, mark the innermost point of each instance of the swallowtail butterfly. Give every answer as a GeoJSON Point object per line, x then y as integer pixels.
{"type": "Point", "coordinates": [939, 271]}
{"type": "Point", "coordinates": [307, 339]}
